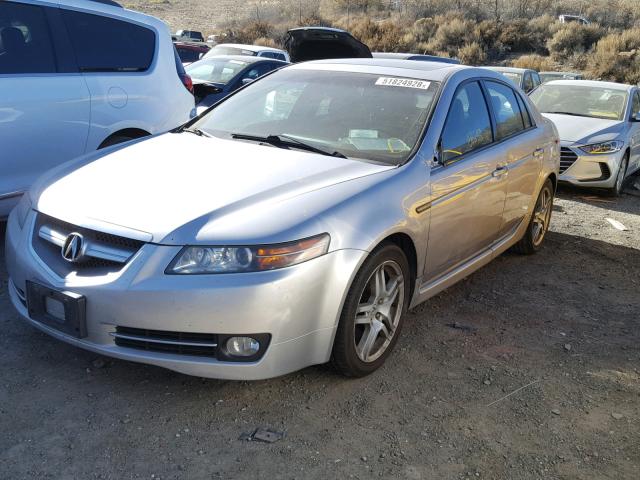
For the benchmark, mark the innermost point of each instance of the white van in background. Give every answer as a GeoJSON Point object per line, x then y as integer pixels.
{"type": "Point", "coordinates": [78, 75]}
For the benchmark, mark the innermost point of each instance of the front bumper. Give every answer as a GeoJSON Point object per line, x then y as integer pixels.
{"type": "Point", "coordinates": [582, 170]}
{"type": "Point", "coordinates": [298, 306]}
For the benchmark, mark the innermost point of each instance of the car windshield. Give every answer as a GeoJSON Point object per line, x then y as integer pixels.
{"type": "Point", "coordinates": [215, 70]}
{"type": "Point", "coordinates": [583, 101]}
{"type": "Point", "coordinates": [222, 50]}
{"type": "Point", "coordinates": [514, 77]}
{"type": "Point", "coordinates": [359, 115]}
{"type": "Point", "coordinates": [547, 77]}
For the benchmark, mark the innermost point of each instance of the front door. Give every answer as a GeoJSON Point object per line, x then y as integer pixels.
{"type": "Point", "coordinates": [468, 187]}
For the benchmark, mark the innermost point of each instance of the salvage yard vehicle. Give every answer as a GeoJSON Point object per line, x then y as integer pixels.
{"type": "Point", "coordinates": [292, 224]}
{"type": "Point", "coordinates": [247, 50]}
{"type": "Point", "coordinates": [548, 76]}
{"type": "Point", "coordinates": [599, 125]}
{"type": "Point", "coordinates": [76, 77]}
{"type": "Point", "coordinates": [216, 77]}
{"type": "Point", "coordinates": [188, 36]}
{"type": "Point", "coordinates": [190, 52]}
{"type": "Point", "coordinates": [320, 43]}
{"type": "Point", "coordinates": [415, 56]}
{"type": "Point", "coordinates": [524, 78]}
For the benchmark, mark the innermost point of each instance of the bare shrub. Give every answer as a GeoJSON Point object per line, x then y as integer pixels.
{"type": "Point", "coordinates": [573, 39]}
{"type": "Point", "coordinates": [617, 57]}
{"type": "Point", "coordinates": [472, 54]}
{"type": "Point", "coordinates": [384, 36]}
{"type": "Point", "coordinates": [252, 31]}
{"type": "Point", "coordinates": [452, 35]}
{"type": "Point", "coordinates": [265, 42]}
{"type": "Point", "coordinates": [534, 62]}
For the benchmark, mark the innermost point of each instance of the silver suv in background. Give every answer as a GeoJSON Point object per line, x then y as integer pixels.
{"type": "Point", "coordinates": [76, 76]}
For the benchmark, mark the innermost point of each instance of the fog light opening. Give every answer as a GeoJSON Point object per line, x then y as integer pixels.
{"type": "Point", "coordinates": [242, 346]}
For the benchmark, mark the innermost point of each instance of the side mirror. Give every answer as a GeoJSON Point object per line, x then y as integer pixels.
{"type": "Point", "coordinates": [247, 81]}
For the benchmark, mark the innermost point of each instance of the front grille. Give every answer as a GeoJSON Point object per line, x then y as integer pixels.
{"type": "Point", "coordinates": [105, 252]}
{"type": "Point", "coordinates": [182, 343]}
{"type": "Point", "coordinates": [567, 158]}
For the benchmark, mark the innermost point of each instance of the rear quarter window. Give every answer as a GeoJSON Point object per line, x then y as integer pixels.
{"type": "Point", "coordinates": [104, 44]}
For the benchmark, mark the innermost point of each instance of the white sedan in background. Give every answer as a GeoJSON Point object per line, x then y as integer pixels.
{"type": "Point", "coordinates": [599, 126]}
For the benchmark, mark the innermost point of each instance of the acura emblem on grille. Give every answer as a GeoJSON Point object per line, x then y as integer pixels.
{"type": "Point", "coordinates": [72, 249]}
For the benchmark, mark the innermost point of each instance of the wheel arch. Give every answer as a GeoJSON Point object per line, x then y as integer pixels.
{"type": "Point", "coordinates": [407, 245]}
{"type": "Point", "coordinates": [131, 133]}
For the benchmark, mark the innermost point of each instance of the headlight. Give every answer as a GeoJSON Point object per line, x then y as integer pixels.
{"type": "Point", "coordinates": [199, 260]}
{"type": "Point", "coordinates": [22, 209]}
{"type": "Point", "coordinates": [604, 147]}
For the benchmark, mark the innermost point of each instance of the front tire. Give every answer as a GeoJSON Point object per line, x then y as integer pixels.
{"type": "Point", "coordinates": [536, 232]}
{"type": "Point", "coordinates": [616, 191]}
{"type": "Point", "coordinates": [373, 313]}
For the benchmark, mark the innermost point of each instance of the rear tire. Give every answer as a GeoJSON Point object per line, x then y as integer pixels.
{"type": "Point", "coordinates": [538, 226]}
{"type": "Point", "coordinates": [373, 313]}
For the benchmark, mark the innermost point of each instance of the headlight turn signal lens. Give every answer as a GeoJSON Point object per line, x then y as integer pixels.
{"type": "Point", "coordinates": [604, 147]}
{"type": "Point", "coordinates": [203, 260]}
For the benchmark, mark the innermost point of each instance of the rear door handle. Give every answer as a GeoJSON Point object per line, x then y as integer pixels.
{"type": "Point", "coordinates": [501, 170]}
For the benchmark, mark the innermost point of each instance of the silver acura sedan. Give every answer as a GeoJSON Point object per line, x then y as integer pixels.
{"type": "Point", "coordinates": [292, 224]}
{"type": "Point", "coordinates": [599, 125]}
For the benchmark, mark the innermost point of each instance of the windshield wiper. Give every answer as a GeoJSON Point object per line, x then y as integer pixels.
{"type": "Point", "coordinates": [581, 115]}
{"type": "Point", "coordinates": [197, 131]}
{"type": "Point", "coordinates": [283, 141]}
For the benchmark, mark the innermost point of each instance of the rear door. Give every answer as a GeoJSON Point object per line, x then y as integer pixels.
{"type": "Point", "coordinates": [522, 150]}
{"type": "Point", "coordinates": [44, 101]}
{"type": "Point", "coordinates": [116, 58]}
{"type": "Point", "coordinates": [468, 187]}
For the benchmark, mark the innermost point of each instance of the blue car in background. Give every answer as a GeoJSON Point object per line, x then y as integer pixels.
{"type": "Point", "coordinates": [216, 77]}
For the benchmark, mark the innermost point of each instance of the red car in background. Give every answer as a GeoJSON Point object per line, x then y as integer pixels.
{"type": "Point", "coordinates": [190, 52]}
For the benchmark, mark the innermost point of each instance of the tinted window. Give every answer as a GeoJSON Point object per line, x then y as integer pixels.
{"type": "Point", "coordinates": [468, 124]}
{"type": "Point", "coordinates": [104, 44]}
{"type": "Point", "coordinates": [25, 43]}
{"type": "Point", "coordinates": [526, 116]}
{"type": "Point", "coordinates": [188, 55]}
{"type": "Point", "coordinates": [505, 109]}
{"type": "Point", "coordinates": [258, 71]}
{"type": "Point", "coordinates": [635, 108]}
{"type": "Point", "coordinates": [527, 85]}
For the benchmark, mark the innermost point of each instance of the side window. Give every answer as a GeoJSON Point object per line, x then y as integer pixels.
{"type": "Point", "coordinates": [266, 54]}
{"type": "Point", "coordinates": [468, 125]}
{"type": "Point", "coordinates": [526, 116]}
{"type": "Point", "coordinates": [536, 80]}
{"type": "Point", "coordinates": [257, 71]}
{"type": "Point", "coordinates": [527, 84]}
{"type": "Point", "coordinates": [25, 41]}
{"type": "Point", "coordinates": [635, 106]}
{"type": "Point", "coordinates": [104, 44]}
{"type": "Point", "coordinates": [505, 110]}
{"type": "Point", "coordinates": [279, 56]}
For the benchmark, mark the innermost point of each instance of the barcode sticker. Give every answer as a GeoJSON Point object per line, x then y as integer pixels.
{"type": "Point", "coordinates": [403, 82]}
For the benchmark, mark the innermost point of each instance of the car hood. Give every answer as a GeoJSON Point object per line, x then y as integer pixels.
{"type": "Point", "coordinates": [172, 188]}
{"type": "Point", "coordinates": [584, 130]}
{"type": "Point", "coordinates": [320, 43]}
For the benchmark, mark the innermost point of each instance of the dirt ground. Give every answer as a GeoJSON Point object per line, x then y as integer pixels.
{"type": "Point", "coordinates": [563, 324]}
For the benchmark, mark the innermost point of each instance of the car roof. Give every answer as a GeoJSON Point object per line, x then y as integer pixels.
{"type": "Point", "coordinates": [434, 71]}
{"type": "Point", "coordinates": [560, 73]}
{"type": "Point", "coordinates": [408, 55]}
{"type": "Point", "coordinates": [326, 29]}
{"type": "Point", "coordinates": [593, 83]}
{"type": "Point", "coordinates": [509, 69]}
{"type": "Point", "coordinates": [253, 48]}
{"type": "Point", "coordinates": [114, 9]}
{"type": "Point", "coordinates": [242, 58]}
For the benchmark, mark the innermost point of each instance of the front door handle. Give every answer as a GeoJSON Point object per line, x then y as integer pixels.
{"type": "Point", "coordinates": [538, 152]}
{"type": "Point", "coordinates": [501, 170]}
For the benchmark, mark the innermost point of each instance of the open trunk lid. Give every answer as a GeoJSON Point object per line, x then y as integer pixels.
{"type": "Point", "coordinates": [320, 43]}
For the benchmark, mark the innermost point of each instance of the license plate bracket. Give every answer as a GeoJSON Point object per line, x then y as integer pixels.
{"type": "Point", "coordinates": [64, 311]}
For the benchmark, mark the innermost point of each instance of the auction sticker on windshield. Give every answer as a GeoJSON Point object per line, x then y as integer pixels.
{"type": "Point", "coordinates": [403, 82]}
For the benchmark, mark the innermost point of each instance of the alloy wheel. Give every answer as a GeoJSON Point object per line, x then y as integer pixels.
{"type": "Point", "coordinates": [542, 216]}
{"type": "Point", "coordinates": [379, 311]}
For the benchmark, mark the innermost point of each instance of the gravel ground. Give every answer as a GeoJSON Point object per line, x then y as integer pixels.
{"type": "Point", "coordinates": [562, 326]}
